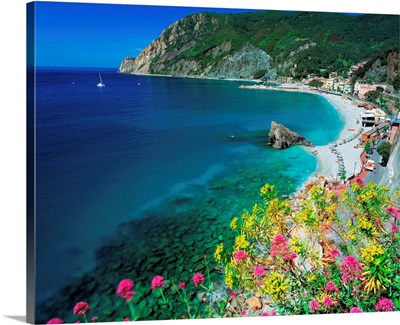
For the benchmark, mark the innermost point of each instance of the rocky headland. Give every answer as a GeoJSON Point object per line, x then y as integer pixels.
{"type": "Point", "coordinates": [280, 137]}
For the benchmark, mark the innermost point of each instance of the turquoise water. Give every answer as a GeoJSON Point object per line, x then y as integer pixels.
{"type": "Point", "coordinates": [172, 151]}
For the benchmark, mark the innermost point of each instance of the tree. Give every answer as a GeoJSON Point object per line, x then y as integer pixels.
{"type": "Point", "coordinates": [315, 83]}
{"type": "Point", "coordinates": [384, 150]}
{"type": "Point", "coordinates": [367, 146]}
{"type": "Point", "coordinates": [372, 95]}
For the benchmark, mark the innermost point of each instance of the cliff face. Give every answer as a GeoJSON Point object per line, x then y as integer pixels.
{"type": "Point", "coordinates": [261, 44]}
{"type": "Point", "coordinates": [384, 68]}
{"type": "Point", "coordinates": [175, 53]}
{"type": "Point", "coordinates": [391, 178]}
{"type": "Point", "coordinates": [280, 137]}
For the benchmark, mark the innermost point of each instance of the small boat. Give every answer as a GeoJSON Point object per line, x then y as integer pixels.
{"type": "Point", "coordinates": [100, 84]}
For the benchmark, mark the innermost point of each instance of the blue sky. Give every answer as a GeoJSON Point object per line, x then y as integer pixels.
{"type": "Point", "coordinates": [99, 35]}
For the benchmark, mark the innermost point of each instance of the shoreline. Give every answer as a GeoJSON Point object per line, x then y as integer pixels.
{"type": "Point", "coordinates": [346, 141]}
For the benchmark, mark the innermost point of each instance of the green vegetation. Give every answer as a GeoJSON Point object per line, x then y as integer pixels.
{"type": "Point", "coordinates": [310, 40]}
{"type": "Point", "coordinates": [316, 83]}
{"type": "Point", "coordinates": [384, 150]}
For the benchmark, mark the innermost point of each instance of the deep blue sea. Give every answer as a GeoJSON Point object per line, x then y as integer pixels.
{"type": "Point", "coordinates": [107, 155]}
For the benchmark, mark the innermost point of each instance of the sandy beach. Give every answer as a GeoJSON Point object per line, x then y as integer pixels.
{"type": "Point", "coordinates": [327, 161]}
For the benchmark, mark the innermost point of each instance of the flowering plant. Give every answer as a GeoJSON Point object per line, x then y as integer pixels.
{"type": "Point", "coordinates": [318, 254]}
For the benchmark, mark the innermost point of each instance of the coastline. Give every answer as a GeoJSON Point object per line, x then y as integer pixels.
{"type": "Point", "coordinates": [327, 161]}
{"type": "Point", "coordinates": [346, 141]}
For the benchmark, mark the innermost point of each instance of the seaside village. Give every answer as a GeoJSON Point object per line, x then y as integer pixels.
{"type": "Point", "coordinates": [377, 120]}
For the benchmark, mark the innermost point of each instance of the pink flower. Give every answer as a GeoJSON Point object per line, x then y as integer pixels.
{"type": "Point", "coordinates": [81, 308]}
{"type": "Point", "coordinates": [197, 279]}
{"type": "Point", "coordinates": [232, 294]}
{"type": "Point", "coordinates": [334, 252]}
{"type": "Point", "coordinates": [260, 283]}
{"type": "Point", "coordinates": [125, 289]}
{"type": "Point", "coordinates": [78, 322]}
{"type": "Point", "coordinates": [240, 256]}
{"type": "Point", "coordinates": [55, 321]}
{"type": "Point", "coordinates": [182, 285]}
{"type": "Point", "coordinates": [314, 305]}
{"type": "Point", "coordinates": [359, 181]}
{"type": "Point", "coordinates": [350, 269]}
{"type": "Point", "coordinates": [158, 281]}
{"type": "Point", "coordinates": [330, 286]}
{"type": "Point", "coordinates": [394, 228]}
{"type": "Point", "coordinates": [94, 319]}
{"type": "Point", "coordinates": [126, 319]}
{"type": "Point", "coordinates": [243, 312]}
{"type": "Point", "coordinates": [258, 271]}
{"type": "Point", "coordinates": [356, 310]}
{"type": "Point", "coordinates": [328, 302]}
{"type": "Point", "coordinates": [279, 246]}
{"type": "Point", "coordinates": [266, 314]}
{"type": "Point", "coordinates": [392, 211]}
{"type": "Point", "coordinates": [384, 304]}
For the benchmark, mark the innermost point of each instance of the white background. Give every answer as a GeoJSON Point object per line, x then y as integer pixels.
{"type": "Point", "coordinates": [12, 150]}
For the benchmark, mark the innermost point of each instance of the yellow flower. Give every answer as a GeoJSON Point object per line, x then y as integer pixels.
{"type": "Point", "coordinates": [276, 285]}
{"type": "Point", "coordinates": [218, 251]}
{"type": "Point", "coordinates": [372, 252]}
{"type": "Point", "coordinates": [229, 279]}
{"type": "Point", "coordinates": [233, 224]}
{"type": "Point", "coordinates": [295, 246]}
{"type": "Point", "coordinates": [267, 189]}
{"type": "Point", "coordinates": [241, 242]}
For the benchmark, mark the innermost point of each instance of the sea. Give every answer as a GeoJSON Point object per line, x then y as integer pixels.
{"type": "Point", "coordinates": [109, 156]}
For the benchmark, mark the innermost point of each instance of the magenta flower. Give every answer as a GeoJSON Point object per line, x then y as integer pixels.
{"type": "Point", "coordinates": [240, 256]}
{"type": "Point", "coordinates": [328, 302]}
{"type": "Point", "coordinates": [125, 289]}
{"type": "Point", "coordinates": [81, 308]}
{"type": "Point", "coordinates": [334, 253]}
{"type": "Point", "coordinates": [158, 281]}
{"type": "Point", "coordinates": [394, 228]}
{"type": "Point", "coordinates": [126, 319]}
{"type": "Point", "coordinates": [232, 294]}
{"type": "Point", "coordinates": [359, 181]}
{"type": "Point", "coordinates": [279, 246]}
{"type": "Point", "coordinates": [243, 312]}
{"type": "Point", "coordinates": [182, 285]}
{"type": "Point", "coordinates": [197, 279]}
{"type": "Point", "coordinates": [258, 271]}
{"type": "Point", "coordinates": [356, 310]}
{"type": "Point", "coordinates": [55, 321]}
{"type": "Point", "coordinates": [314, 305]}
{"type": "Point", "coordinates": [393, 211]}
{"type": "Point", "coordinates": [384, 304]}
{"type": "Point", "coordinates": [273, 313]}
{"type": "Point", "coordinates": [94, 319]}
{"type": "Point", "coordinates": [330, 286]}
{"type": "Point", "coordinates": [350, 269]}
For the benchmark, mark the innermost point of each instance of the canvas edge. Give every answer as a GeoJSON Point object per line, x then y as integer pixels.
{"type": "Point", "coordinates": [30, 164]}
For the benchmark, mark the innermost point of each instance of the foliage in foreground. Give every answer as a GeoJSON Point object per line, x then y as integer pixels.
{"type": "Point", "coordinates": [322, 256]}
{"type": "Point", "coordinates": [329, 256]}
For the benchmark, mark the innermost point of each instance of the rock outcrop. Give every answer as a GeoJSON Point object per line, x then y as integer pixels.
{"type": "Point", "coordinates": [280, 137]}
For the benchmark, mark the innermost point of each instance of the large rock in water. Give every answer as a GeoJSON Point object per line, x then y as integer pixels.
{"type": "Point", "coordinates": [280, 137]}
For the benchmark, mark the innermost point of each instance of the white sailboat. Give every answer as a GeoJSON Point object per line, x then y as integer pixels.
{"type": "Point", "coordinates": [100, 84]}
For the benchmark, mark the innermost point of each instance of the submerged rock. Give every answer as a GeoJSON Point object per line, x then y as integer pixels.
{"type": "Point", "coordinates": [280, 137]}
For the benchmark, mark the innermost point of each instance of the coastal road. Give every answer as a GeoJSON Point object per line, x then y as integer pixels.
{"type": "Point", "coordinates": [376, 176]}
